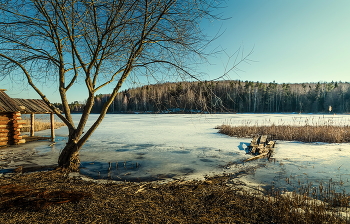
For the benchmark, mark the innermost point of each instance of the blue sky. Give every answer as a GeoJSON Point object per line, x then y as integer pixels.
{"type": "Point", "coordinates": [293, 41]}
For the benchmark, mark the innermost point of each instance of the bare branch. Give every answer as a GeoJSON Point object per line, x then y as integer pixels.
{"type": "Point", "coordinates": [99, 43]}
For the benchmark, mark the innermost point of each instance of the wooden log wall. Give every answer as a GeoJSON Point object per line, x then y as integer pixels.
{"type": "Point", "coordinates": [10, 129]}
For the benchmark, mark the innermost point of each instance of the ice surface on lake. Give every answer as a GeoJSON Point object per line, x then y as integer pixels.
{"type": "Point", "coordinates": [149, 147]}
{"type": "Point", "coordinates": [162, 146]}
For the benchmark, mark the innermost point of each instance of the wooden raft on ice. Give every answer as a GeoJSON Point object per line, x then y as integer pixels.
{"type": "Point", "coordinates": [261, 147]}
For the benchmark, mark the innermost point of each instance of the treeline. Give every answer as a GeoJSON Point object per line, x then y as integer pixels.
{"type": "Point", "coordinates": [75, 107]}
{"type": "Point", "coordinates": [230, 96]}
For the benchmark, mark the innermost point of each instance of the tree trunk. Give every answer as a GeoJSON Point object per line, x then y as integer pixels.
{"type": "Point", "coordinates": [69, 157]}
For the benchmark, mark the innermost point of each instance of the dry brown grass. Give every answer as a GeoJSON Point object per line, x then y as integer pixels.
{"type": "Point", "coordinates": [40, 124]}
{"type": "Point", "coordinates": [215, 200]}
{"type": "Point", "coordinates": [325, 131]}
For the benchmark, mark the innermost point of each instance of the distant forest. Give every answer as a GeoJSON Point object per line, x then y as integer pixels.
{"type": "Point", "coordinates": [228, 96]}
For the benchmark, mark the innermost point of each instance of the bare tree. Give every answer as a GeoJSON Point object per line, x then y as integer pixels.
{"type": "Point", "coordinates": [99, 43]}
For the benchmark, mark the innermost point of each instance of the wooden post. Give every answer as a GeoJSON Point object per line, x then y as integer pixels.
{"type": "Point", "coordinates": [32, 123]}
{"type": "Point", "coordinates": [52, 119]}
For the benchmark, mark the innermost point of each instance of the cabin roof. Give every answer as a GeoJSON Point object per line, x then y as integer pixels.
{"type": "Point", "coordinates": [7, 104]}
{"type": "Point", "coordinates": [30, 106]}
{"type": "Point", "coordinates": [25, 106]}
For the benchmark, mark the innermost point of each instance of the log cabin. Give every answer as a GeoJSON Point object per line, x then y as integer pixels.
{"type": "Point", "coordinates": [11, 110]}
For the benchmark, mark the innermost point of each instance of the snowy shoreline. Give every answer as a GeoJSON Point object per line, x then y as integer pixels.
{"type": "Point", "coordinates": [184, 146]}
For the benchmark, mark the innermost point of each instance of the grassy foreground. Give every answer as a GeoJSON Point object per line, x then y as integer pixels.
{"type": "Point", "coordinates": [53, 197]}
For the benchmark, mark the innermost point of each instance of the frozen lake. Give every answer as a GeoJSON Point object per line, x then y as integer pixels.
{"type": "Point", "coordinates": [136, 147]}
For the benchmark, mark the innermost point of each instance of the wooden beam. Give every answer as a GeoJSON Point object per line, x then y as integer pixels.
{"type": "Point", "coordinates": [262, 146]}
{"type": "Point", "coordinates": [52, 119]}
{"type": "Point", "coordinates": [32, 123]}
